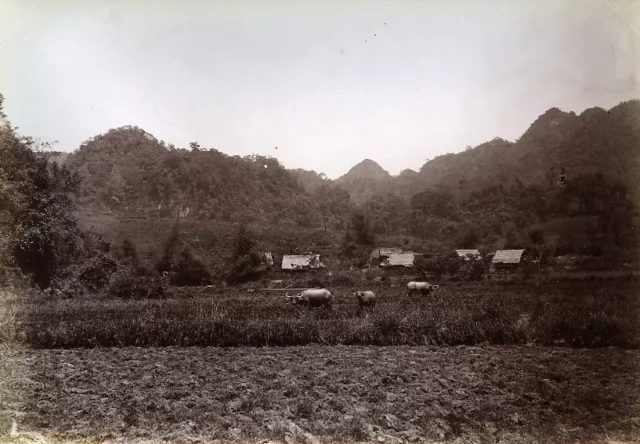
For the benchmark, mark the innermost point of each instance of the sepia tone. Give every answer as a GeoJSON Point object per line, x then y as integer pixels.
{"type": "Point", "coordinates": [319, 222]}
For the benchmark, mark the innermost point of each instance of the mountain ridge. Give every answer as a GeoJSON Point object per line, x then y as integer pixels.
{"type": "Point", "coordinates": [128, 164]}
{"type": "Point", "coordinates": [597, 140]}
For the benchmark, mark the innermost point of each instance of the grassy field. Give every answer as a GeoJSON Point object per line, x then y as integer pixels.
{"type": "Point", "coordinates": [328, 394]}
{"type": "Point", "coordinates": [588, 314]}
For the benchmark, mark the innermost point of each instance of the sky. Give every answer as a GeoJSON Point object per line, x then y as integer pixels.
{"type": "Point", "coordinates": [327, 82]}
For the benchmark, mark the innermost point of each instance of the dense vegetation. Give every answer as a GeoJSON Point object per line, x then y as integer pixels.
{"type": "Point", "coordinates": [38, 234]}
{"type": "Point", "coordinates": [129, 171]}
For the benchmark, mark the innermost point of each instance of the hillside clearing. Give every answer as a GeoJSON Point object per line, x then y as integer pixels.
{"type": "Point", "coordinates": [385, 394]}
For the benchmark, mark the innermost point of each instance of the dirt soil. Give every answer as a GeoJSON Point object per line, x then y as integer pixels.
{"type": "Point", "coordinates": [326, 394]}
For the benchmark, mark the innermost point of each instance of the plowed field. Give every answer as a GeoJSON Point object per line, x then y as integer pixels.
{"type": "Point", "coordinates": [326, 394]}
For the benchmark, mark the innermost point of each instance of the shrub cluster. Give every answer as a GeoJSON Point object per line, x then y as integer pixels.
{"type": "Point", "coordinates": [126, 285]}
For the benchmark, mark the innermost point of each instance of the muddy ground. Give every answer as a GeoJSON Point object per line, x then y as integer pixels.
{"type": "Point", "coordinates": [326, 394]}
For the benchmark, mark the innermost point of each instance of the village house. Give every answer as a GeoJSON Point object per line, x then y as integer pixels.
{"type": "Point", "coordinates": [301, 262]}
{"type": "Point", "coordinates": [384, 252]}
{"type": "Point", "coordinates": [400, 260]}
{"type": "Point", "coordinates": [469, 254]}
{"type": "Point", "coordinates": [507, 260]}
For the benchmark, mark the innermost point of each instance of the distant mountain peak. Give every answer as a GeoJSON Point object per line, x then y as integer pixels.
{"type": "Point", "coordinates": [369, 162]}
{"type": "Point", "coordinates": [553, 123]}
{"type": "Point", "coordinates": [367, 169]}
{"type": "Point", "coordinates": [553, 115]}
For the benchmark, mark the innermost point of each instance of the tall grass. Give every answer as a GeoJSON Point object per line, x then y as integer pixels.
{"type": "Point", "coordinates": [585, 315]}
{"type": "Point", "coordinates": [10, 367]}
{"type": "Point", "coordinates": [8, 313]}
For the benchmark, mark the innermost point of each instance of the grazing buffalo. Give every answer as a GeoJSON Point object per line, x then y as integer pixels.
{"type": "Point", "coordinates": [422, 287]}
{"type": "Point", "coordinates": [312, 298]}
{"type": "Point", "coordinates": [365, 298]}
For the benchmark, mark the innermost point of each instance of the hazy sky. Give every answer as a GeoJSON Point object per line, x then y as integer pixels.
{"type": "Point", "coordinates": [328, 82]}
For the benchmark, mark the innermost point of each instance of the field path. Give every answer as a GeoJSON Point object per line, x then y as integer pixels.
{"type": "Point", "coordinates": [306, 394]}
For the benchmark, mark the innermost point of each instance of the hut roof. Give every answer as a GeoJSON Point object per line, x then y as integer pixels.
{"type": "Point", "coordinates": [467, 254]}
{"type": "Point", "coordinates": [399, 260]}
{"type": "Point", "coordinates": [385, 252]}
{"type": "Point", "coordinates": [507, 257]}
{"type": "Point", "coordinates": [301, 261]}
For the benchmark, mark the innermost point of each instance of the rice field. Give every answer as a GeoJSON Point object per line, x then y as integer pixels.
{"type": "Point", "coordinates": [588, 314]}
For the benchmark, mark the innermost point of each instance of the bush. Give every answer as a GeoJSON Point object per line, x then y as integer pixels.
{"type": "Point", "coordinates": [94, 273]}
{"type": "Point", "coordinates": [190, 270]}
{"type": "Point", "coordinates": [342, 279]}
{"type": "Point", "coordinates": [472, 270]}
{"type": "Point", "coordinates": [38, 232]}
{"type": "Point", "coordinates": [166, 262]}
{"type": "Point", "coordinates": [298, 283]}
{"type": "Point", "coordinates": [316, 281]}
{"type": "Point", "coordinates": [124, 284]}
{"type": "Point", "coordinates": [360, 229]}
{"type": "Point", "coordinates": [354, 255]}
{"type": "Point", "coordinates": [591, 264]}
{"type": "Point", "coordinates": [90, 276]}
{"type": "Point", "coordinates": [247, 263]}
{"type": "Point", "coordinates": [130, 253]}
{"type": "Point", "coordinates": [376, 275]}
{"type": "Point", "coordinates": [439, 266]}
{"type": "Point", "coordinates": [245, 268]}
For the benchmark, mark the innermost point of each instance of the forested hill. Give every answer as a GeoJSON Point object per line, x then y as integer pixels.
{"type": "Point", "coordinates": [493, 193]}
{"type": "Point", "coordinates": [128, 170]}
{"type": "Point", "coordinates": [597, 141]}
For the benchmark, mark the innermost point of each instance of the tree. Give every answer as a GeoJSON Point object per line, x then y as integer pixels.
{"type": "Point", "coordinates": [190, 270]}
{"type": "Point", "coordinates": [536, 236]}
{"type": "Point", "coordinates": [131, 259]}
{"type": "Point", "coordinates": [244, 243]}
{"type": "Point", "coordinates": [166, 262]}
{"type": "Point", "coordinates": [130, 252]}
{"type": "Point", "coordinates": [541, 255]}
{"type": "Point", "coordinates": [435, 202]}
{"type": "Point", "coordinates": [389, 213]}
{"type": "Point", "coordinates": [39, 234]}
{"type": "Point", "coordinates": [468, 235]}
{"type": "Point", "coordinates": [550, 176]}
{"type": "Point", "coordinates": [440, 265]}
{"type": "Point", "coordinates": [247, 263]}
{"type": "Point", "coordinates": [361, 227]}
{"type": "Point", "coordinates": [477, 270]}
{"type": "Point", "coordinates": [331, 202]}
{"type": "Point", "coordinates": [512, 238]}
{"type": "Point", "coordinates": [539, 252]}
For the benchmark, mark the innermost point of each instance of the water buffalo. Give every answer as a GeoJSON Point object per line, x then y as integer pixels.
{"type": "Point", "coordinates": [422, 287]}
{"type": "Point", "coordinates": [312, 298]}
{"type": "Point", "coordinates": [366, 298]}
